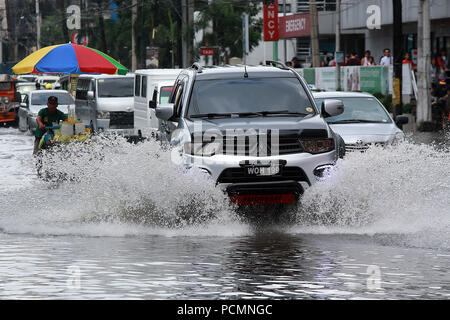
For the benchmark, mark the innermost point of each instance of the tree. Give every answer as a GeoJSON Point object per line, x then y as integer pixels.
{"type": "Point", "coordinates": [226, 31]}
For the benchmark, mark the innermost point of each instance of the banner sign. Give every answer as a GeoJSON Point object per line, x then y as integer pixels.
{"type": "Point", "coordinates": [270, 21]}
{"type": "Point", "coordinates": [293, 26]}
{"type": "Point", "coordinates": [206, 51]}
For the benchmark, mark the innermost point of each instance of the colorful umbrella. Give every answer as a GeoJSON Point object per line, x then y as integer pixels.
{"type": "Point", "coordinates": [69, 58]}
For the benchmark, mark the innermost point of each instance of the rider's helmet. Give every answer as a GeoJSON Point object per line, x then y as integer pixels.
{"type": "Point", "coordinates": [48, 86]}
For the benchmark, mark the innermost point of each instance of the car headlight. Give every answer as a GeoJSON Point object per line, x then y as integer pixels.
{"type": "Point", "coordinates": [33, 114]}
{"type": "Point", "coordinates": [102, 115]}
{"type": "Point", "coordinates": [6, 100]}
{"type": "Point", "coordinates": [399, 136]}
{"type": "Point", "coordinates": [207, 149]}
{"type": "Point", "coordinates": [318, 145]}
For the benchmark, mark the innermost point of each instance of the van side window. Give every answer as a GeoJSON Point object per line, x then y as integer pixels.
{"type": "Point", "coordinates": [82, 88]}
{"type": "Point", "coordinates": [144, 87]}
{"type": "Point", "coordinates": [92, 87]}
{"type": "Point", "coordinates": [137, 85]}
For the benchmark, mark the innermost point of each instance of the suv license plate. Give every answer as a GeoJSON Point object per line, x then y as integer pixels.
{"type": "Point", "coordinates": [263, 171]}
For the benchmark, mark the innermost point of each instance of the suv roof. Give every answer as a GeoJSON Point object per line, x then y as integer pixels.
{"type": "Point", "coordinates": [233, 72]}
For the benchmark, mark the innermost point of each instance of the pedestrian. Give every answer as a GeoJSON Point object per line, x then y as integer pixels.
{"type": "Point", "coordinates": [371, 62]}
{"type": "Point", "coordinates": [386, 60]}
{"type": "Point", "coordinates": [442, 60]}
{"type": "Point", "coordinates": [365, 60]}
{"type": "Point", "coordinates": [296, 63]}
{"type": "Point", "coordinates": [331, 63]}
{"type": "Point", "coordinates": [353, 60]}
{"type": "Point", "coordinates": [408, 60]}
{"type": "Point", "coordinates": [47, 117]}
{"type": "Point", "coordinates": [289, 64]}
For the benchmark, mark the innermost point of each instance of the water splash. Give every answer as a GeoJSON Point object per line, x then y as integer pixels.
{"type": "Point", "coordinates": [111, 182]}
{"type": "Point", "coordinates": [402, 189]}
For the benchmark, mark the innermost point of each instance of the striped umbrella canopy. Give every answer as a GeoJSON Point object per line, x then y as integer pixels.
{"type": "Point", "coordinates": [71, 59]}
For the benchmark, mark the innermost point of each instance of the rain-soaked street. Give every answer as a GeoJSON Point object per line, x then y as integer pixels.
{"type": "Point", "coordinates": [131, 225]}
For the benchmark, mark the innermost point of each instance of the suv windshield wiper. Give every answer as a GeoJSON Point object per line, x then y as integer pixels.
{"type": "Point", "coordinates": [212, 115]}
{"type": "Point", "coordinates": [287, 112]}
{"type": "Point", "coordinates": [355, 121]}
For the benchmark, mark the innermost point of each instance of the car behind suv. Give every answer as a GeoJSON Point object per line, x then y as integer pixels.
{"type": "Point", "coordinates": [255, 130]}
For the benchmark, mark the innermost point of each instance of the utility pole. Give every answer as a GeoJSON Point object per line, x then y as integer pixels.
{"type": "Point", "coordinates": [338, 43]}
{"type": "Point", "coordinates": [38, 26]}
{"type": "Point", "coordinates": [314, 34]}
{"type": "Point", "coordinates": [424, 103]}
{"type": "Point", "coordinates": [398, 53]}
{"type": "Point", "coordinates": [184, 19]}
{"type": "Point", "coordinates": [133, 35]}
{"type": "Point", "coordinates": [285, 41]}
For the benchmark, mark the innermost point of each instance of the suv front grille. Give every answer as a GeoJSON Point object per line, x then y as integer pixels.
{"type": "Point", "coordinates": [238, 175]}
{"type": "Point", "coordinates": [360, 146]}
{"type": "Point", "coordinates": [258, 146]}
{"type": "Point", "coordinates": [121, 120]}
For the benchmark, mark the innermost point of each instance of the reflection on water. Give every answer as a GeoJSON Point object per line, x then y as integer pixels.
{"type": "Point", "coordinates": [259, 266]}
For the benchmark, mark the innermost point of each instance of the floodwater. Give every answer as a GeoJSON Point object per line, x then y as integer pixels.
{"type": "Point", "coordinates": [127, 223]}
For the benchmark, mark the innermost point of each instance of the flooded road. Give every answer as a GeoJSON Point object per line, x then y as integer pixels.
{"type": "Point", "coordinates": [130, 225]}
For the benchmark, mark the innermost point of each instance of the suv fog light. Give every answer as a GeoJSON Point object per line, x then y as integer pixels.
{"type": "Point", "coordinates": [318, 145]}
{"type": "Point", "coordinates": [202, 149]}
{"type": "Point", "coordinates": [320, 170]}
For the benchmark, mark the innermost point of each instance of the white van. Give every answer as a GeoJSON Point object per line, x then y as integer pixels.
{"type": "Point", "coordinates": [105, 102]}
{"type": "Point", "coordinates": [151, 87]}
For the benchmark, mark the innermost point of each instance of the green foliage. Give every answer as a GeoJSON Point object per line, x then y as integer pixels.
{"type": "Point", "coordinates": [226, 31]}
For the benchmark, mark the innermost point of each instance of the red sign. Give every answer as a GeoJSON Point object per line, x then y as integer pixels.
{"type": "Point", "coordinates": [270, 21]}
{"type": "Point", "coordinates": [206, 51]}
{"type": "Point", "coordinates": [296, 25]}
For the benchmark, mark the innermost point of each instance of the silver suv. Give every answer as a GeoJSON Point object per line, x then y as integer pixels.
{"type": "Point", "coordinates": [255, 130]}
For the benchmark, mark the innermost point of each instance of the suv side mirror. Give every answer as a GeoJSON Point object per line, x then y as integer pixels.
{"type": "Point", "coordinates": [152, 104]}
{"type": "Point", "coordinates": [90, 94]}
{"type": "Point", "coordinates": [165, 111]}
{"type": "Point", "coordinates": [401, 120]}
{"type": "Point", "coordinates": [331, 108]}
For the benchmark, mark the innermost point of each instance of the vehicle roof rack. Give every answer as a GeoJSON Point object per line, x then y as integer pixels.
{"type": "Point", "coordinates": [197, 67]}
{"type": "Point", "coordinates": [276, 64]}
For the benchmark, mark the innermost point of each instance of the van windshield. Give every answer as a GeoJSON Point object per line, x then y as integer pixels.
{"type": "Point", "coordinates": [164, 94]}
{"type": "Point", "coordinates": [266, 96]}
{"type": "Point", "coordinates": [116, 87]}
{"type": "Point", "coordinates": [42, 98]}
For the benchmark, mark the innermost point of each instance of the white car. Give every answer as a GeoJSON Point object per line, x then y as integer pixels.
{"type": "Point", "coordinates": [36, 100]}
{"type": "Point", "coordinates": [365, 120]}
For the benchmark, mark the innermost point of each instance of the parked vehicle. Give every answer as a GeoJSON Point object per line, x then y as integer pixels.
{"type": "Point", "coordinates": [255, 130]}
{"type": "Point", "coordinates": [36, 100]}
{"type": "Point", "coordinates": [365, 120]}
{"type": "Point", "coordinates": [151, 87]}
{"type": "Point", "coordinates": [9, 101]}
{"type": "Point", "coordinates": [106, 102]}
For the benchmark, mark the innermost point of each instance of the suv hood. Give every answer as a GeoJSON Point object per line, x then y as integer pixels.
{"type": "Point", "coordinates": [309, 126]}
{"type": "Point", "coordinates": [365, 129]}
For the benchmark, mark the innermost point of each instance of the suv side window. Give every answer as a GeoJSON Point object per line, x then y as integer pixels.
{"type": "Point", "coordinates": [177, 97]}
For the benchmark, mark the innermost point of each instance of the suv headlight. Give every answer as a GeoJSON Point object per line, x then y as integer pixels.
{"type": "Point", "coordinates": [207, 149]}
{"type": "Point", "coordinates": [399, 136]}
{"type": "Point", "coordinates": [102, 115]}
{"type": "Point", "coordinates": [318, 145]}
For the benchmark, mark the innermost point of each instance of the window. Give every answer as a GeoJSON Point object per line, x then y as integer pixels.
{"type": "Point", "coordinates": [281, 9]}
{"type": "Point", "coordinates": [83, 85]}
{"type": "Point", "coordinates": [41, 98]}
{"type": "Point", "coordinates": [137, 85]}
{"type": "Point", "coordinates": [249, 95]}
{"type": "Point", "coordinates": [177, 97]}
{"type": "Point", "coordinates": [144, 87]}
{"type": "Point", "coordinates": [115, 87]}
{"type": "Point", "coordinates": [164, 94]}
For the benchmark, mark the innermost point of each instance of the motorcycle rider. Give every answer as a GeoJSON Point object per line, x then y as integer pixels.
{"type": "Point", "coordinates": [47, 117]}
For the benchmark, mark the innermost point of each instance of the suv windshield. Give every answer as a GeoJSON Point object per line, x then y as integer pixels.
{"type": "Point", "coordinates": [247, 96]}
{"type": "Point", "coordinates": [359, 110]}
{"type": "Point", "coordinates": [117, 87]}
{"type": "Point", "coordinates": [42, 98]}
